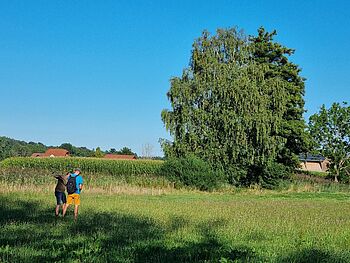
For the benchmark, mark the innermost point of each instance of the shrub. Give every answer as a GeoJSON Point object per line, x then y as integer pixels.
{"type": "Point", "coordinates": [268, 176]}
{"type": "Point", "coordinates": [235, 174]}
{"type": "Point", "coordinates": [193, 172]}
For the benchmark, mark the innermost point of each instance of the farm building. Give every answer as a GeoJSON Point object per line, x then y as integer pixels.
{"type": "Point", "coordinates": [313, 163]}
{"type": "Point", "coordinates": [119, 156]}
{"type": "Point", "coordinates": [52, 152]}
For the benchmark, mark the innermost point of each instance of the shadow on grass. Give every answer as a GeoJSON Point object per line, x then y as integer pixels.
{"type": "Point", "coordinates": [30, 233]}
{"type": "Point", "coordinates": [23, 211]}
{"type": "Point", "coordinates": [312, 255]}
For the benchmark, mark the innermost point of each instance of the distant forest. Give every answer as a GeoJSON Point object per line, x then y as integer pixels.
{"type": "Point", "coordinates": [11, 147]}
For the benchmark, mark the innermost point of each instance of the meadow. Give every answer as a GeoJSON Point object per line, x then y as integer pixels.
{"type": "Point", "coordinates": [142, 218]}
{"type": "Point", "coordinates": [177, 227]}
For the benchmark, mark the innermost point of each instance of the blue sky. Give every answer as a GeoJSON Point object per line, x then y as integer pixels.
{"type": "Point", "coordinates": [96, 73]}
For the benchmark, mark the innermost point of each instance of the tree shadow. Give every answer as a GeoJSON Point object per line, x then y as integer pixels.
{"type": "Point", "coordinates": [31, 233]}
{"type": "Point", "coordinates": [208, 249]}
{"type": "Point", "coordinates": [312, 255]}
{"type": "Point", "coordinates": [20, 211]}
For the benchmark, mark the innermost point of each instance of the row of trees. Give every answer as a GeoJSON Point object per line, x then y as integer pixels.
{"type": "Point", "coordinates": [125, 151]}
{"type": "Point", "coordinates": [77, 151]}
{"type": "Point", "coordinates": [239, 105]}
{"type": "Point", "coordinates": [11, 148]}
{"type": "Point", "coordinates": [85, 152]}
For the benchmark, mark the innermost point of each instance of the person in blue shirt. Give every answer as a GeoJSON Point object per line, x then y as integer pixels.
{"type": "Point", "coordinates": [74, 188]}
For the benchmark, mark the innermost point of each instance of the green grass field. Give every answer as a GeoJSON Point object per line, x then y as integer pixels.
{"type": "Point", "coordinates": [179, 226]}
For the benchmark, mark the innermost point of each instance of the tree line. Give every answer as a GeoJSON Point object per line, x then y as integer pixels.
{"type": "Point", "coordinates": [12, 148]}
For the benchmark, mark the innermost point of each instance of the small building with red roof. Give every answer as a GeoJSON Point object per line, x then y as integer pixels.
{"type": "Point", "coordinates": [55, 152]}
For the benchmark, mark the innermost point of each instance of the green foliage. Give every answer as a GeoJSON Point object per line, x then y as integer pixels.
{"type": "Point", "coordinates": [330, 130]}
{"type": "Point", "coordinates": [235, 174]}
{"type": "Point", "coordinates": [77, 151]}
{"type": "Point", "coordinates": [69, 147]}
{"type": "Point", "coordinates": [98, 153]}
{"type": "Point", "coordinates": [231, 108]}
{"type": "Point", "coordinates": [268, 176]}
{"type": "Point", "coordinates": [124, 150]}
{"type": "Point", "coordinates": [275, 57]}
{"type": "Point", "coordinates": [127, 151]}
{"type": "Point", "coordinates": [87, 165]}
{"type": "Point", "coordinates": [112, 150]}
{"type": "Point", "coordinates": [191, 171]}
{"type": "Point", "coordinates": [10, 147]}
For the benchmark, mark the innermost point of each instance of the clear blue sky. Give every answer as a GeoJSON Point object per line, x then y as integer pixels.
{"type": "Point", "coordinates": [96, 73]}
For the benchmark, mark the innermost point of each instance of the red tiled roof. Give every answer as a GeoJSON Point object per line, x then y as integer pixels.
{"type": "Point", "coordinates": [56, 152]}
{"type": "Point", "coordinates": [120, 156]}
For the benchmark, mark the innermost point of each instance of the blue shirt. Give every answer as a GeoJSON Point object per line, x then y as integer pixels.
{"type": "Point", "coordinates": [78, 180]}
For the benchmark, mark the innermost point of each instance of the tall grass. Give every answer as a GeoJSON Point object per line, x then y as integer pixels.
{"type": "Point", "coordinates": [87, 165]}
{"type": "Point", "coordinates": [40, 180]}
{"type": "Point", "coordinates": [176, 228]}
{"type": "Point", "coordinates": [113, 176]}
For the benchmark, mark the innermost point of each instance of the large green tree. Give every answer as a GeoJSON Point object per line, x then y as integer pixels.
{"type": "Point", "coordinates": [275, 57]}
{"type": "Point", "coordinates": [225, 106]}
{"type": "Point", "coordinates": [330, 130]}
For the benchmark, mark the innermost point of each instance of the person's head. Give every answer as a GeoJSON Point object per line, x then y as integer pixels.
{"type": "Point", "coordinates": [77, 171]}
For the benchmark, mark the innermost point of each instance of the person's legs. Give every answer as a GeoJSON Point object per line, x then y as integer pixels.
{"type": "Point", "coordinates": [69, 202]}
{"type": "Point", "coordinates": [65, 209]}
{"type": "Point", "coordinates": [77, 203]}
{"type": "Point", "coordinates": [64, 201]}
{"type": "Point", "coordinates": [58, 202]}
{"type": "Point", "coordinates": [62, 207]}
{"type": "Point", "coordinates": [72, 199]}
{"type": "Point", "coordinates": [76, 209]}
{"type": "Point", "coordinates": [57, 210]}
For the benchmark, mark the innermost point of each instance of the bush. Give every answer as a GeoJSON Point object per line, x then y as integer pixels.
{"type": "Point", "coordinates": [191, 171]}
{"type": "Point", "coordinates": [343, 177]}
{"type": "Point", "coordinates": [268, 176]}
{"type": "Point", "coordinates": [235, 174]}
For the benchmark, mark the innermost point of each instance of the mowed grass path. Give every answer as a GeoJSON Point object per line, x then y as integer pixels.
{"type": "Point", "coordinates": [184, 227]}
